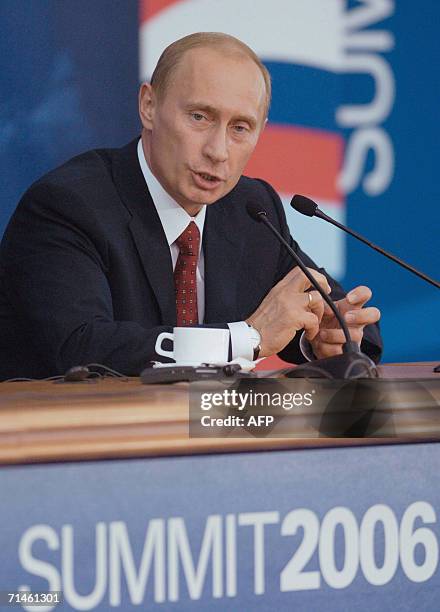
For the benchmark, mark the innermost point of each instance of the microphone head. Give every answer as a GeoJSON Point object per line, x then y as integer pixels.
{"type": "Point", "coordinates": [255, 211]}
{"type": "Point", "coordinates": [304, 205]}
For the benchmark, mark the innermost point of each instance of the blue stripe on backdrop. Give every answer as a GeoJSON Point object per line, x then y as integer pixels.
{"type": "Point", "coordinates": [410, 307]}
{"type": "Point", "coordinates": [311, 95]}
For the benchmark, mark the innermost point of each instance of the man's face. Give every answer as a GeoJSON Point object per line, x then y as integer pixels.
{"type": "Point", "coordinates": [203, 130]}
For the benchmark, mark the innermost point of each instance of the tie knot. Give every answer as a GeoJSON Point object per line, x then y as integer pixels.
{"type": "Point", "coordinates": [189, 239]}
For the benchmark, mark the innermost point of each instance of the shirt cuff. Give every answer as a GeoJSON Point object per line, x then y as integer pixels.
{"type": "Point", "coordinates": [306, 348]}
{"type": "Point", "coordinates": [241, 341]}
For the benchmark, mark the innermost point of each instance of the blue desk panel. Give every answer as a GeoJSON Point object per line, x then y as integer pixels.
{"type": "Point", "coordinates": [321, 529]}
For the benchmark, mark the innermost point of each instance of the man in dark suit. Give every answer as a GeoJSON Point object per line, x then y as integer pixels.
{"type": "Point", "coordinates": [94, 259]}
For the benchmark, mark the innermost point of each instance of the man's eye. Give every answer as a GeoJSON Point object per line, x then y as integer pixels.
{"type": "Point", "coordinates": [197, 116]}
{"type": "Point", "coordinates": [240, 129]}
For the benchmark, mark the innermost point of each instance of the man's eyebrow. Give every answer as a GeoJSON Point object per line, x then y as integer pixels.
{"type": "Point", "coordinates": [202, 106]}
{"type": "Point", "coordinates": [215, 112]}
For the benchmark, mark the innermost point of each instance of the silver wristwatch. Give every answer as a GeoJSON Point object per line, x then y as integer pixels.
{"type": "Point", "coordinates": [255, 337]}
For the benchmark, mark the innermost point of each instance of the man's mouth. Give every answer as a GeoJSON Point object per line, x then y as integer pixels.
{"type": "Point", "coordinates": [209, 177]}
{"type": "Point", "coordinates": [205, 180]}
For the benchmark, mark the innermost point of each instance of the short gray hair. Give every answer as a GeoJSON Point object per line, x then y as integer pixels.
{"type": "Point", "coordinates": [173, 54]}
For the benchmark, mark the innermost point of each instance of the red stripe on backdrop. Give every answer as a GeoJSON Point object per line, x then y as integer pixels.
{"type": "Point", "coordinates": [299, 160]}
{"type": "Point", "coordinates": [149, 8]}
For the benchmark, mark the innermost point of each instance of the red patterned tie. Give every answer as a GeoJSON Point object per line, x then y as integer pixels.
{"type": "Point", "coordinates": [185, 276]}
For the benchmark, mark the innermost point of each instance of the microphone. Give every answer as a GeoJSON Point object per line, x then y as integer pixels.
{"type": "Point", "coordinates": [308, 207]}
{"type": "Point", "coordinates": [352, 363]}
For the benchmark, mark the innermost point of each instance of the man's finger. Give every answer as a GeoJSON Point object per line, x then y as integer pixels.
{"type": "Point", "coordinates": [310, 325]}
{"type": "Point", "coordinates": [354, 300]}
{"type": "Point", "coordinates": [315, 303]}
{"type": "Point", "coordinates": [328, 312]}
{"type": "Point", "coordinates": [299, 281]}
{"type": "Point", "coordinates": [359, 296]}
{"type": "Point", "coordinates": [336, 336]}
{"type": "Point", "coordinates": [324, 349]}
{"type": "Point", "coordinates": [365, 316]}
{"type": "Point", "coordinates": [320, 279]}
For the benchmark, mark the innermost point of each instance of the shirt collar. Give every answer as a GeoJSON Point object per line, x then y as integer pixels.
{"type": "Point", "coordinates": [173, 217]}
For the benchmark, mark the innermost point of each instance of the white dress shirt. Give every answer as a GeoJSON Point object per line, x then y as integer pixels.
{"type": "Point", "coordinates": [174, 221]}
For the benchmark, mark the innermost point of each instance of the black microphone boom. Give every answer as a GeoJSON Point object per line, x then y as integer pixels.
{"type": "Point", "coordinates": [308, 207]}
{"type": "Point", "coordinates": [259, 214]}
{"type": "Point", "coordinates": [352, 363]}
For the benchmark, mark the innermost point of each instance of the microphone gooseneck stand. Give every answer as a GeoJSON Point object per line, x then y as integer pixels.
{"type": "Point", "coordinates": [308, 207]}
{"type": "Point", "coordinates": [352, 363]}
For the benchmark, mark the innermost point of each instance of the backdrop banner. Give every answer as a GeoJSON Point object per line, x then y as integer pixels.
{"type": "Point", "coordinates": [353, 123]}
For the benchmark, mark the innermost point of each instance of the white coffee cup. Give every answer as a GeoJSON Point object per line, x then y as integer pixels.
{"type": "Point", "coordinates": [196, 345]}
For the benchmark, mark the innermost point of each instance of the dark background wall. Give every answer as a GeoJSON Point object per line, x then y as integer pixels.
{"type": "Point", "coordinates": [68, 82]}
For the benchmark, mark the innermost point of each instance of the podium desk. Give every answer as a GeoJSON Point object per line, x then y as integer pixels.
{"type": "Point", "coordinates": [105, 498]}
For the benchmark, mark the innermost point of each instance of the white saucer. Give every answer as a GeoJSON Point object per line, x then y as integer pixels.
{"type": "Point", "coordinates": [158, 364]}
{"type": "Point", "coordinates": [246, 366]}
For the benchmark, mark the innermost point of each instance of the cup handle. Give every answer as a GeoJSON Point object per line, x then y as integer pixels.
{"type": "Point", "coordinates": [158, 348]}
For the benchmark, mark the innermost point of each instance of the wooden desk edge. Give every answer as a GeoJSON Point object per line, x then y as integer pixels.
{"type": "Point", "coordinates": [114, 421]}
{"type": "Point", "coordinates": [60, 452]}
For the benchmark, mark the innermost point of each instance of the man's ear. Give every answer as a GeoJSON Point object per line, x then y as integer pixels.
{"type": "Point", "coordinates": [261, 129]}
{"type": "Point", "coordinates": [263, 125]}
{"type": "Point", "coordinates": [146, 105]}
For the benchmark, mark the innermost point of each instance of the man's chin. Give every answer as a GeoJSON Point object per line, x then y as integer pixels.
{"type": "Point", "coordinates": [199, 197]}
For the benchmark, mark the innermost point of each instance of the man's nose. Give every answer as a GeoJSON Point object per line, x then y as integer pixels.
{"type": "Point", "coordinates": [216, 145]}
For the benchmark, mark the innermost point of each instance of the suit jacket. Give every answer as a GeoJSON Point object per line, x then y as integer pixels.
{"type": "Point", "coordinates": [86, 272]}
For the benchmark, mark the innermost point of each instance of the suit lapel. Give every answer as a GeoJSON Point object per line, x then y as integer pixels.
{"type": "Point", "coordinates": [222, 244]}
{"type": "Point", "coordinates": [146, 229]}
{"type": "Point", "coordinates": [223, 248]}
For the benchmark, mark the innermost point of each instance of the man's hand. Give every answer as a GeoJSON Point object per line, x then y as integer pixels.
{"type": "Point", "coordinates": [329, 340]}
{"type": "Point", "coordinates": [286, 309]}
